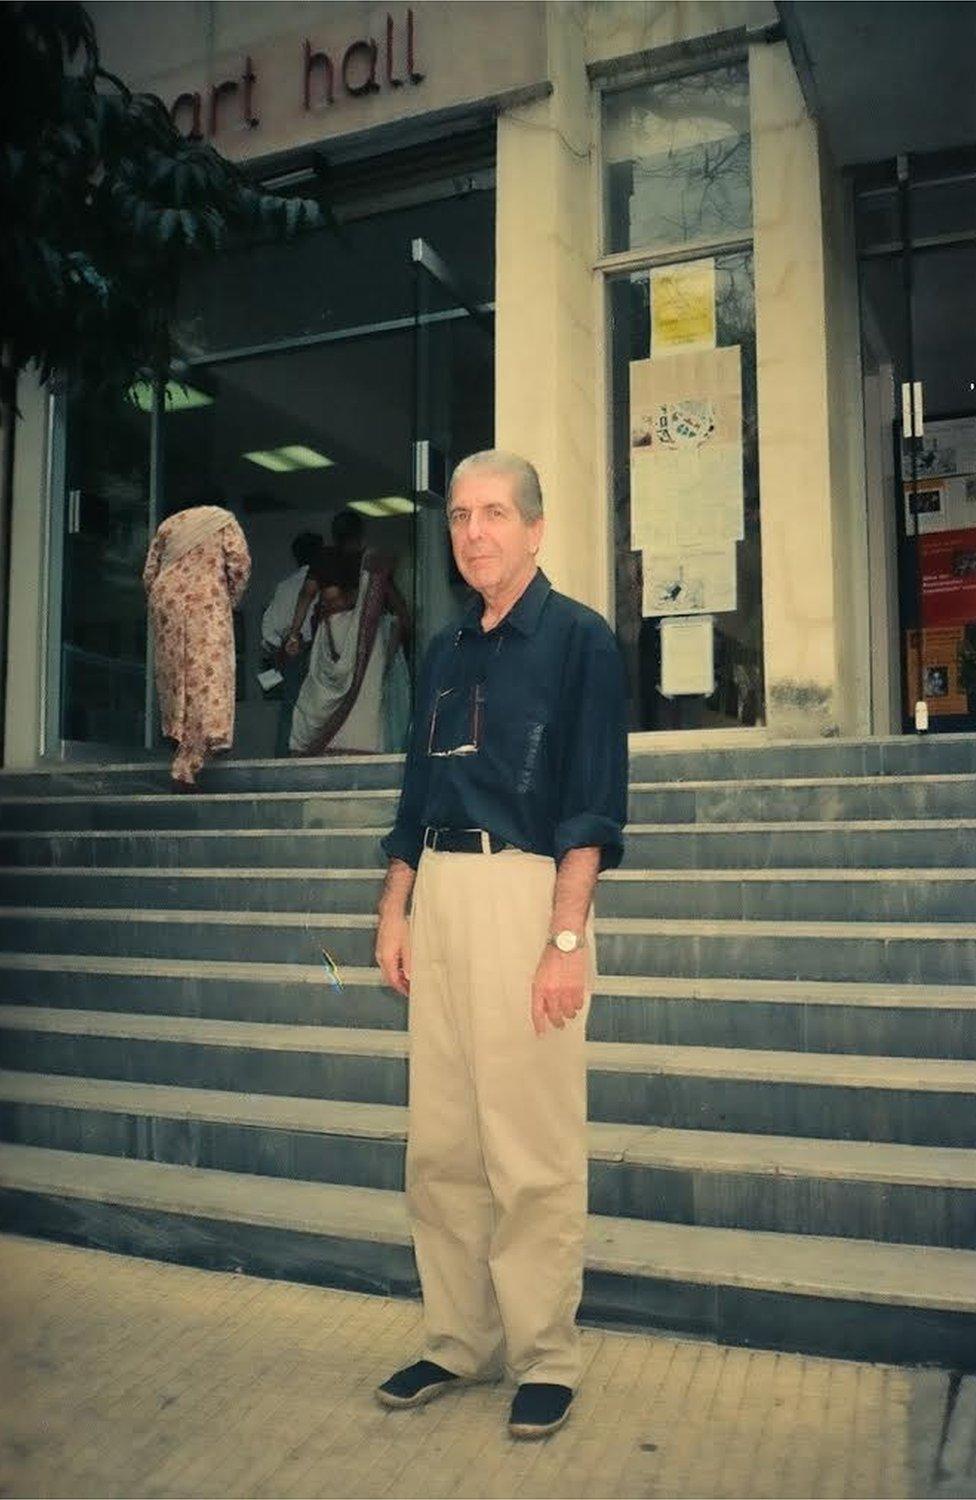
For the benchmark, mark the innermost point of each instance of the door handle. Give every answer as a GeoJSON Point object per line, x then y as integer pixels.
{"type": "Point", "coordinates": [912, 414]}
{"type": "Point", "coordinates": [74, 512]}
{"type": "Point", "coordinates": [429, 471]}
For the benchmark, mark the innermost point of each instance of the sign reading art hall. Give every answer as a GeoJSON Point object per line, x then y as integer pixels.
{"type": "Point", "coordinates": [322, 78]}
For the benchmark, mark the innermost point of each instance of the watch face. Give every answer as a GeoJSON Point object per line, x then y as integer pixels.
{"type": "Point", "coordinates": [566, 942]}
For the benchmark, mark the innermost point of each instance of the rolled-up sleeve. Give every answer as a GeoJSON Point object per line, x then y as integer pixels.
{"type": "Point", "coordinates": [406, 838]}
{"type": "Point", "coordinates": [592, 797]}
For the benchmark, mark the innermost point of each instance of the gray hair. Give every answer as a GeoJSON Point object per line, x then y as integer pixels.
{"type": "Point", "coordinates": [527, 488]}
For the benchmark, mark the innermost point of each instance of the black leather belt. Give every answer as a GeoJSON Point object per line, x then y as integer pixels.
{"type": "Point", "coordinates": [460, 841]}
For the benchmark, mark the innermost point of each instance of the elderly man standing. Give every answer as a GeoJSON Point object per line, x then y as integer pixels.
{"type": "Point", "coordinates": [514, 798]}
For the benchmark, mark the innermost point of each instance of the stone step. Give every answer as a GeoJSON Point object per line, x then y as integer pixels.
{"type": "Point", "coordinates": [900, 755]}
{"type": "Point", "coordinates": [854, 844]}
{"type": "Point", "coordinates": [803, 799]}
{"type": "Point", "coordinates": [746, 758]}
{"type": "Point", "coordinates": [329, 773]}
{"type": "Point", "coordinates": [859, 1190]}
{"type": "Point", "coordinates": [906, 895]}
{"type": "Point", "coordinates": [793, 895]}
{"type": "Point", "coordinates": [231, 810]}
{"type": "Point", "coordinates": [893, 952]}
{"type": "Point", "coordinates": [867, 844]}
{"type": "Point", "coordinates": [777, 801]}
{"type": "Point", "coordinates": [153, 888]}
{"type": "Point", "coordinates": [822, 1295]}
{"type": "Point", "coordinates": [311, 848]}
{"type": "Point", "coordinates": [925, 1102]}
{"type": "Point", "coordinates": [783, 1015]}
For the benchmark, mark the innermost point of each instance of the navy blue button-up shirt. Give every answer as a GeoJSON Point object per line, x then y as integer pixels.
{"type": "Point", "coordinates": [520, 730]}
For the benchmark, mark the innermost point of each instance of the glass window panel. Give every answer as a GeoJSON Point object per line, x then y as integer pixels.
{"type": "Point", "coordinates": [876, 217]}
{"type": "Point", "coordinates": [939, 209]}
{"type": "Point", "coordinates": [677, 161]}
{"type": "Point", "coordinates": [103, 638]}
{"type": "Point", "coordinates": [943, 208]}
{"type": "Point", "coordinates": [352, 401]}
{"type": "Point", "coordinates": [738, 698]}
{"type": "Point", "coordinates": [327, 281]}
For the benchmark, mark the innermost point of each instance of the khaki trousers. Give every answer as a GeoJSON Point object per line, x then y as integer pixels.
{"type": "Point", "coordinates": [496, 1153]}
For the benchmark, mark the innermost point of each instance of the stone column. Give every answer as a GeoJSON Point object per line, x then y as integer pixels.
{"type": "Point", "coordinates": [798, 534]}
{"type": "Point", "coordinates": [28, 592]}
{"type": "Point", "coordinates": [546, 337]}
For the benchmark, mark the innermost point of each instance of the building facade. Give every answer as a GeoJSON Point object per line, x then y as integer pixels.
{"type": "Point", "coordinates": [648, 245]}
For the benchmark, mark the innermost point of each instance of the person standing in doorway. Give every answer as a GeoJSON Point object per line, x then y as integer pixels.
{"type": "Point", "coordinates": [195, 574]}
{"type": "Point", "coordinates": [340, 705]}
{"type": "Point", "coordinates": [514, 798]}
{"type": "Point", "coordinates": [375, 567]}
{"type": "Point", "coordinates": [275, 626]}
{"type": "Point", "coordinates": [356, 692]}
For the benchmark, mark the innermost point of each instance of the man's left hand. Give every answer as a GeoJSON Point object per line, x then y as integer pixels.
{"type": "Point", "coordinates": [559, 988]}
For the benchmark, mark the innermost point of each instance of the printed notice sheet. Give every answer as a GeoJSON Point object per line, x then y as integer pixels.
{"type": "Point", "coordinates": [693, 502]}
{"type": "Point", "coordinates": [689, 583]}
{"type": "Point", "coordinates": [948, 447]}
{"type": "Point", "coordinates": [947, 504]}
{"type": "Point", "coordinates": [686, 489]}
{"type": "Point", "coordinates": [683, 307]}
{"type": "Point", "coordinates": [687, 656]}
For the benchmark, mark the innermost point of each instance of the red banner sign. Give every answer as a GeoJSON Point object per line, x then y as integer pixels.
{"type": "Point", "coordinates": [948, 577]}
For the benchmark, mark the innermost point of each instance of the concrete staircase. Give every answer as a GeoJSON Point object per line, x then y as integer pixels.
{"type": "Point", "coordinates": [782, 1054]}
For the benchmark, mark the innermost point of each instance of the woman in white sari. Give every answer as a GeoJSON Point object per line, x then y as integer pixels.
{"type": "Point", "coordinates": [356, 668]}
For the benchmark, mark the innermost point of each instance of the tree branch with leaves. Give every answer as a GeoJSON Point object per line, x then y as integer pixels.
{"type": "Point", "coordinates": [103, 205]}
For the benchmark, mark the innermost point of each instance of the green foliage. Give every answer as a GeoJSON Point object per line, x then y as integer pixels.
{"type": "Point", "coordinates": [102, 205]}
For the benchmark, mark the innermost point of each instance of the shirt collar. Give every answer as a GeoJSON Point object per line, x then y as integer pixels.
{"type": "Point", "coordinates": [524, 613]}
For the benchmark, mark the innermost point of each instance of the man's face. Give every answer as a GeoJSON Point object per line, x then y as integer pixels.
{"type": "Point", "coordinates": [332, 599]}
{"type": "Point", "coordinates": [494, 547]}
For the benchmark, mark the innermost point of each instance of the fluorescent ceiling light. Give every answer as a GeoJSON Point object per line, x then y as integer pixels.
{"type": "Point", "coordinates": [176, 397]}
{"type": "Point", "coordinates": [397, 505]}
{"type": "Point", "coordinates": [289, 459]}
{"type": "Point", "coordinates": [389, 505]}
{"type": "Point", "coordinates": [366, 507]}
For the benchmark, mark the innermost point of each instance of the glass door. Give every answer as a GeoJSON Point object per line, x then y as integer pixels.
{"type": "Point", "coordinates": [102, 681]}
{"type": "Point", "coordinates": [918, 269]}
{"type": "Point", "coordinates": [454, 415]}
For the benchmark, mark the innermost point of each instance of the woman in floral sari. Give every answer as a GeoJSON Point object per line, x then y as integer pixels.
{"type": "Point", "coordinates": [196, 572]}
{"type": "Point", "coordinates": [357, 687]}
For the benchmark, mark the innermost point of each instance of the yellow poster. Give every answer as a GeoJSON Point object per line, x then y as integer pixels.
{"type": "Point", "coordinates": [683, 307]}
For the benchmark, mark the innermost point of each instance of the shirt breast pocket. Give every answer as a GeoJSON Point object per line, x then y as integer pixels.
{"type": "Point", "coordinates": [519, 741]}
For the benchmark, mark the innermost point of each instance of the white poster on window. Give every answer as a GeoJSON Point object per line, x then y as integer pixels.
{"type": "Point", "coordinates": [942, 504]}
{"type": "Point", "coordinates": [688, 656]}
{"type": "Point", "coordinates": [689, 501]}
{"type": "Point", "coordinates": [686, 451]}
{"type": "Point", "coordinates": [948, 447]}
{"type": "Point", "coordinates": [690, 582]}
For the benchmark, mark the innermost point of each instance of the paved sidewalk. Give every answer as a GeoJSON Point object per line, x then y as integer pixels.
{"type": "Point", "coordinates": [126, 1377]}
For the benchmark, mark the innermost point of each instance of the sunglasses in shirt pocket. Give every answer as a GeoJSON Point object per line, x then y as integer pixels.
{"type": "Point", "coordinates": [457, 721]}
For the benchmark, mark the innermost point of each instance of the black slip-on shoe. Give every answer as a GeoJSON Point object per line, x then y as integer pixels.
{"type": "Point", "coordinates": [416, 1384]}
{"type": "Point", "coordinates": [539, 1409]}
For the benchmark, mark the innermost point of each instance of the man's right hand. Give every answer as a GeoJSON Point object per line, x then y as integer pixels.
{"type": "Point", "coordinates": [393, 952]}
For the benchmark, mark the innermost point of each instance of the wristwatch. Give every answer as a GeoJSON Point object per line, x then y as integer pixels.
{"type": "Point", "coordinates": [567, 941]}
